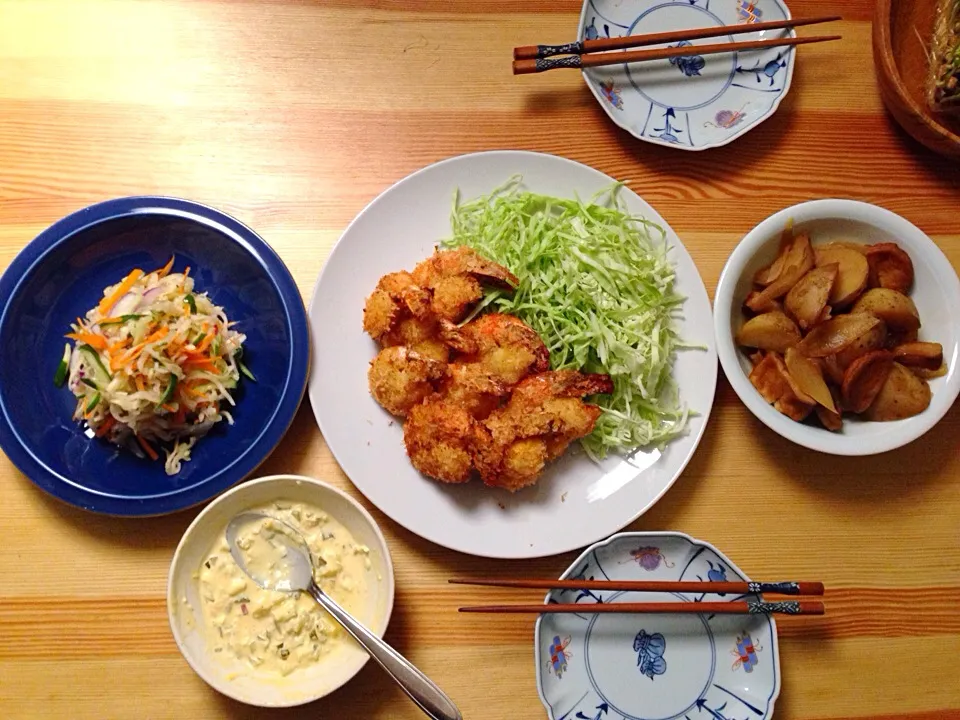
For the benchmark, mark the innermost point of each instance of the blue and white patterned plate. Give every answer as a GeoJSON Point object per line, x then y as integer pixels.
{"type": "Point", "coordinates": [655, 667]}
{"type": "Point", "coordinates": [696, 102]}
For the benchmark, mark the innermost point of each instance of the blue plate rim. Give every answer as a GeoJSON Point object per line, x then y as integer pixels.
{"type": "Point", "coordinates": [290, 398]}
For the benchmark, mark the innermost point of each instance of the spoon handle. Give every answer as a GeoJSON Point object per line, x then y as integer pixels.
{"type": "Point", "coordinates": [421, 689]}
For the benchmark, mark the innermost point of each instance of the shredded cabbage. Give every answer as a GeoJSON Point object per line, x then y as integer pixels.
{"type": "Point", "coordinates": [597, 285]}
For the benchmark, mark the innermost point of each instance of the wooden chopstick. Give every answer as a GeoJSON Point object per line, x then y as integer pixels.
{"type": "Point", "coordinates": [584, 47]}
{"type": "Point", "coordinates": [578, 62]}
{"type": "Point", "coordinates": [784, 607]}
{"type": "Point", "coordinates": [734, 588]}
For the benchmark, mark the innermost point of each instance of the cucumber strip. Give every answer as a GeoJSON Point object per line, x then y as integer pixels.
{"type": "Point", "coordinates": [168, 393]}
{"type": "Point", "coordinates": [245, 371]}
{"type": "Point", "coordinates": [94, 401]}
{"type": "Point", "coordinates": [63, 368]}
{"type": "Point", "coordinates": [100, 374]}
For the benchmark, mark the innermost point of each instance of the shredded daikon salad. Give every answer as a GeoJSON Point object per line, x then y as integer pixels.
{"type": "Point", "coordinates": [154, 362]}
{"type": "Point", "coordinates": [597, 285]}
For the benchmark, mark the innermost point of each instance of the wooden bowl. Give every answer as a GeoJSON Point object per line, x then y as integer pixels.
{"type": "Point", "coordinates": [902, 31]}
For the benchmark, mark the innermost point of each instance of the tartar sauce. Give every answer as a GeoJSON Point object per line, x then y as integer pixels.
{"type": "Point", "coordinates": [279, 632]}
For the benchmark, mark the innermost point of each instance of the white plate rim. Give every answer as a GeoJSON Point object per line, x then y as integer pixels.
{"type": "Point", "coordinates": [703, 413]}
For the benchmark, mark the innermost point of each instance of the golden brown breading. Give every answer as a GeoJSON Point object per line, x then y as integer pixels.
{"type": "Point", "coordinates": [545, 407]}
{"type": "Point", "coordinates": [461, 261]}
{"type": "Point", "coordinates": [471, 387]}
{"type": "Point", "coordinates": [507, 347]}
{"type": "Point", "coordinates": [438, 436]}
{"type": "Point", "coordinates": [395, 297]}
{"type": "Point", "coordinates": [454, 296]}
{"type": "Point", "coordinates": [400, 378]}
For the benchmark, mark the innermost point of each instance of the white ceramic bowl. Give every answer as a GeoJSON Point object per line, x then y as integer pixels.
{"type": "Point", "coordinates": [186, 621]}
{"type": "Point", "coordinates": [936, 292]}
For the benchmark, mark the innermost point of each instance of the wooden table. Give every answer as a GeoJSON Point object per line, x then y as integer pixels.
{"type": "Point", "coordinates": [292, 115]}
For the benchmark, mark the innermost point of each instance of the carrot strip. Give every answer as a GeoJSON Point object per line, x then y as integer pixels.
{"type": "Point", "coordinates": [135, 350]}
{"type": "Point", "coordinates": [112, 347]}
{"type": "Point", "coordinates": [202, 347]}
{"type": "Point", "coordinates": [91, 339]}
{"type": "Point", "coordinates": [105, 426]}
{"type": "Point", "coordinates": [168, 407]}
{"type": "Point", "coordinates": [201, 364]}
{"type": "Point", "coordinates": [165, 270]}
{"type": "Point", "coordinates": [147, 448]}
{"type": "Point", "coordinates": [110, 300]}
{"type": "Point", "coordinates": [192, 392]}
{"type": "Point", "coordinates": [139, 382]}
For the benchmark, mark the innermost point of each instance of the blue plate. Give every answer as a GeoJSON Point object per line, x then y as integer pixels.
{"type": "Point", "coordinates": [62, 274]}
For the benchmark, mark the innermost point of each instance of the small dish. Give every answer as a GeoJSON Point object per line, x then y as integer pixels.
{"type": "Point", "coordinates": [242, 683]}
{"type": "Point", "coordinates": [691, 103]}
{"type": "Point", "coordinates": [62, 273]}
{"type": "Point", "coordinates": [655, 666]}
{"type": "Point", "coordinates": [936, 293]}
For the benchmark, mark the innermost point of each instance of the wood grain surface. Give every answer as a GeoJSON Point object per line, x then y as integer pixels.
{"type": "Point", "coordinates": [292, 115]}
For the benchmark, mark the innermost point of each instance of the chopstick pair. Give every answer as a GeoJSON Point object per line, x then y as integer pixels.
{"type": "Point", "coordinates": [592, 53]}
{"type": "Point", "coordinates": [749, 607]}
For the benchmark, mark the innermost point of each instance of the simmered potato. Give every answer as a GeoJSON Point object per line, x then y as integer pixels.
{"type": "Point", "coordinates": [873, 339]}
{"type": "Point", "coordinates": [851, 276]}
{"type": "Point", "coordinates": [903, 395]}
{"type": "Point", "coordinates": [891, 306]}
{"type": "Point", "coordinates": [770, 331]}
{"type": "Point", "coordinates": [832, 330]}
{"type": "Point", "coordinates": [837, 334]}
{"type": "Point", "coordinates": [798, 262]}
{"type": "Point", "coordinates": [807, 300]}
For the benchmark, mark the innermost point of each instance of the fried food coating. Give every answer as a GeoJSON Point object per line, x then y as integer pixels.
{"type": "Point", "coordinates": [461, 261]}
{"type": "Point", "coordinates": [470, 386]}
{"type": "Point", "coordinates": [396, 296]}
{"type": "Point", "coordinates": [401, 378]}
{"type": "Point", "coordinates": [544, 415]}
{"type": "Point", "coordinates": [439, 439]}
{"type": "Point", "coordinates": [504, 345]}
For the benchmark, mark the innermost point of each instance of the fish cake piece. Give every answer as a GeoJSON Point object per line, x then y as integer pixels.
{"type": "Point", "coordinates": [400, 378]}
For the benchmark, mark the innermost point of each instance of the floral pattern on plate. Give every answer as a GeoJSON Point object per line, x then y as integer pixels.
{"type": "Point", "coordinates": [694, 102]}
{"type": "Point", "coordinates": [655, 667]}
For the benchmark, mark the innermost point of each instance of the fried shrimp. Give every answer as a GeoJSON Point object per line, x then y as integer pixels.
{"type": "Point", "coordinates": [544, 415]}
{"type": "Point", "coordinates": [401, 378]}
{"type": "Point", "coordinates": [439, 439]}
{"type": "Point", "coordinates": [504, 345]}
{"type": "Point", "coordinates": [455, 277]}
{"type": "Point", "coordinates": [473, 388]}
{"type": "Point", "coordinates": [395, 297]}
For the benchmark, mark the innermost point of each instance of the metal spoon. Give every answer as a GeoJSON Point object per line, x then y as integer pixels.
{"type": "Point", "coordinates": [296, 575]}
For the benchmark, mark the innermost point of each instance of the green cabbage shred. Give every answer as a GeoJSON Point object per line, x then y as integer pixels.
{"type": "Point", "coordinates": [597, 285]}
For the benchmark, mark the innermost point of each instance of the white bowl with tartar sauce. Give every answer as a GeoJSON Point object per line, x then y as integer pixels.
{"type": "Point", "coordinates": [268, 648]}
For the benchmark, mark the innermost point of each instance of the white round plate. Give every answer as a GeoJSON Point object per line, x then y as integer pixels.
{"type": "Point", "coordinates": [697, 102]}
{"type": "Point", "coordinates": [576, 501]}
{"type": "Point", "coordinates": [663, 667]}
